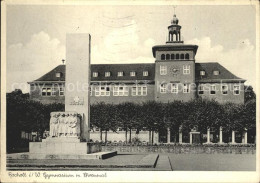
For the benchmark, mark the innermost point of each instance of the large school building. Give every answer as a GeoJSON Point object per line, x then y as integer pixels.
{"type": "Point", "coordinates": [174, 75]}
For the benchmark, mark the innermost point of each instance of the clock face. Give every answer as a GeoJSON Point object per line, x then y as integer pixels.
{"type": "Point", "coordinates": [174, 70]}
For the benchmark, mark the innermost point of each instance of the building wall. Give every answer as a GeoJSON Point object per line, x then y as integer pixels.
{"type": "Point", "coordinates": [36, 94]}
{"type": "Point", "coordinates": [175, 77]}
{"type": "Point", "coordinates": [190, 52]}
{"type": "Point", "coordinates": [152, 94]}
{"type": "Point", "coordinates": [120, 99]}
{"type": "Point", "coordinates": [221, 98]}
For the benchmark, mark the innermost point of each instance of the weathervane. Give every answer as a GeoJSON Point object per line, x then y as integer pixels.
{"type": "Point", "coordinates": [174, 8]}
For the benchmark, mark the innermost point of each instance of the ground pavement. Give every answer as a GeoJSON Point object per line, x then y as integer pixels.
{"type": "Point", "coordinates": [146, 162]}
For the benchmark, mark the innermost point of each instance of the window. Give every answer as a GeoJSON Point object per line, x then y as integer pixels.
{"type": "Point", "coordinates": [187, 56]}
{"type": "Point", "coordinates": [236, 89]}
{"type": "Point", "coordinates": [172, 56]}
{"type": "Point", "coordinates": [95, 74]}
{"type": "Point", "coordinates": [163, 69]}
{"type": "Point", "coordinates": [46, 91]}
{"type": "Point", "coordinates": [54, 91]}
{"type": "Point", "coordinates": [202, 73]}
{"type": "Point", "coordinates": [201, 90]}
{"type": "Point", "coordinates": [97, 91]}
{"type": "Point", "coordinates": [107, 74]}
{"type": "Point", "coordinates": [224, 89]}
{"type": "Point", "coordinates": [62, 91]}
{"type": "Point", "coordinates": [174, 88]}
{"type": "Point", "coordinates": [186, 69]}
{"type": "Point", "coordinates": [58, 74]}
{"type": "Point", "coordinates": [163, 88]}
{"type": "Point", "coordinates": [132, 73]}
{"type": "Point", "coordinates": [102, 91]}
{"type": "Point", "coordinates": [120, 91]}
{"type": "Point", "coordinates": [139, 91]}
{"type": "Point", "coordinates": [145, 73]}
{"type": "Point", "coordinates": [216, 73]}
{"type": "Point", "coordinates": [177, 56]}
{"type": "Point", "coordinates": [186, 88]}
{"type": "Point", "coordinates": [182, 56]}
{"type": "Point", "coordinates": [212, 89]}
{"type": "Point", "coordinates": [167, 57]}
{"type": "Point", "coordinates": [162, 57]}
{"type": "Point", "coordinates": [119, 74]}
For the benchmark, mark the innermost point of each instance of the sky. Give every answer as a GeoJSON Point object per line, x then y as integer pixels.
{"type": "Point", "coordinates": [36, 36]}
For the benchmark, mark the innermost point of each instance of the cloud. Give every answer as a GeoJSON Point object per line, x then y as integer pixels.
{"type": "Point", "coordinates": [240, 60]}
{"type": "Point", "coordinates": [29, 61]}
{"type": "Point", "coordinates": [123, 45]}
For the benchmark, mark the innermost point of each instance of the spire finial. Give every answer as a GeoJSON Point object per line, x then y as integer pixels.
{"type": "Point", "coordinates": [63, 61]}
{"type": "Point", "coordinates": [174, 9]}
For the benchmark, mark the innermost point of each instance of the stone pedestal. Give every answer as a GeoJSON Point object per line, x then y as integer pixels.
{"type": "Point", "coordinates": [220, 135]}
{"type": "Point", "coordinates": [168, 135]}
{"type": "Point", "coordinates": [208, 136]}
{"type": "Point", "coordinates": [180, 137]}
{"type": "Point", "coordinates": [233, 137]}
{"type": "Point", "coordinates": [63, 145]}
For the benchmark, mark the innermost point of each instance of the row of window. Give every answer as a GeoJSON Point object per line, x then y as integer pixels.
{"type": "Point", "coordinates": [119, 91]}
{"type": "Point", "coordinates": [53, 91]}
{"type": "Point", "coordinates": [173, 88]}
{"type": "Point", "coordinates": [224, 89]}
{"type": "Point", "coordinates": [120, 74]}
{"type": "Point", "coordinates": [175, 56]}
{"type": "Point", "coordinates": [142, 90]}
{"type": "Point", "coordinates": [202, 73]}
{"type": "Point", "coordinates": [163, 69]}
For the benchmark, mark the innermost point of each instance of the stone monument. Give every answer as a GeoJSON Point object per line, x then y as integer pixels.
{"type": "Point", "coordinates": [69, 130]}
{"type": "Point", "coordinates": [77, 78]}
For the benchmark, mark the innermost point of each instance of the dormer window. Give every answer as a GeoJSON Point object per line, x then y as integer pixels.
{"type": "Point", "coordinates": [107, 74]}
{"type": "Point", "coordinates": [95, 74]}
{"type": "Point", "coordinates": [145, 73]}
{"type": "Point", "coordinates": [216, 73]}
{"type": "Point", "coordinates": [202, 73]}
{"type": "Point", "coordinates": [132, 73]}
{"type": "Point", "coordinates": [58, 74]}
{"type": "Point", "coordinates": [119, 74]}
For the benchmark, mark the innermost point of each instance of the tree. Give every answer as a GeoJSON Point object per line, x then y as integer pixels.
{"type": "Point", "coordinates": [249, 93]}
{"type": "Point", "coordinates": [26, 115]}
{"type": "Point", "coordinates": [153, 117]}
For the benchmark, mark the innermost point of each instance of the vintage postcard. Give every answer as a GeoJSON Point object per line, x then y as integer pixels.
{"type": "Point", "coordinates": [129, 91]}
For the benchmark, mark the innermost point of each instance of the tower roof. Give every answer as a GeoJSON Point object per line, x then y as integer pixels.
{"type": "Point", "coordinates": [175, 20]}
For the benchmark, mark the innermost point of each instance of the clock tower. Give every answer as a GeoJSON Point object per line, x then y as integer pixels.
{"type": "Point", "coordinates": [174, 67]}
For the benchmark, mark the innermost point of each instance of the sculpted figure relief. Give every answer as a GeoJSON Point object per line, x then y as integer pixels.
{"type": "Point", "coordinates": [64, 125]}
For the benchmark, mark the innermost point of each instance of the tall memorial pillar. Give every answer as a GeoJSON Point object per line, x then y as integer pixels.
{"type": "Point", "coordinates": [78, 78]}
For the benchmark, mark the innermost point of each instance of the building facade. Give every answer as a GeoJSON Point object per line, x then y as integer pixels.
{"type": "Point", "coordinates": [174, 75]}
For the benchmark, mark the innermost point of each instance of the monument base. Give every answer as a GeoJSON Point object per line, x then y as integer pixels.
{"type": "Point", "coordinates": [64, 145]}
{"type": "Point", "coordinates": [45, 156]}
{"type": "Point", "coordinates": [63, 148]}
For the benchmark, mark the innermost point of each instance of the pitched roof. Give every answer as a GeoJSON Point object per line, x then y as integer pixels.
{"type": "Point", "coordinates": [51, 76]}
{"type": "Point", "coordinates": [224, 74]}
{"type": "Point", "coordinates": [126, 69]}
{"type": "Point", "coordinates": [102, 68]}
{"type": "Point", "coordinates": [209, 68]}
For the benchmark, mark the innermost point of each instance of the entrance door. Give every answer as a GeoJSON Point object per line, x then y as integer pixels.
{"type": "Point", "coordinates": [195, 138]}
